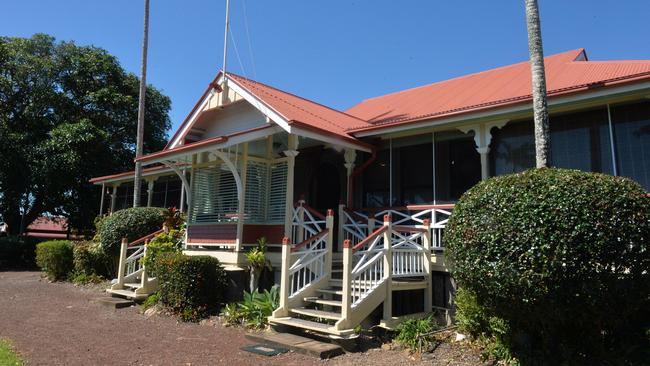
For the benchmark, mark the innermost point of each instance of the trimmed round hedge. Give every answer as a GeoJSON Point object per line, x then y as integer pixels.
{"type": "Point", "coordinates": [55, 258]}
{"type": "Point", "coordinates": [563, 256]}
{"type": "Point", "coordinates": [130, 223]}
{"type": "Point", "coordinates": [193, 287]}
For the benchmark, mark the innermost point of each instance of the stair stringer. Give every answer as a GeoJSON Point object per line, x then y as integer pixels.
{"type": "Point", "coordinates": [363, 309]}
{"type": "Point", "coordinates": [297, 299]}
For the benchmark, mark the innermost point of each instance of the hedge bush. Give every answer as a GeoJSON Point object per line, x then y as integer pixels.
{"type": "Point", "coordinates": [90, 259]}
{"type": "Point", "coordinates": [562, 257]}
{"type": "Point", "coordinates": [18, 252]}
{"type": "Point", "coordinates": [192, 287]}
{"type": "Point", "coordinates": [130, 223]}
{"type": "Point", "coordinates": [171, 242]}
{"type": "Point", "coordinates": [55, 258]}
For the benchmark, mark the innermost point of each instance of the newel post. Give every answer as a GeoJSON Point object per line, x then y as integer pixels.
{"type": "Point", "coordinates": [426, 246]}
{"type": "Point", "coordinates": [122, 266]}
{"type": "Point", "coordinates": [144, 280]}
{"type": "Point", "coordinates": [301, 222]}
{"type": "Point", "coordinates": [346, 299]}
{"type": "Point", "coordinates": [388, 268]}
{"type": "Point", "coordinates": [342, 222]}
{"type": "Point", "coordinates": [329, 225]}
{"type": "Point", "coordinates": [283, 310]}
{"type": "Point", "coordinates": [371, 224]}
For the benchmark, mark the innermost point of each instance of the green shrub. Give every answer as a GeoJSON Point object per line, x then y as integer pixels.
{"type": "Point", "coordinates": [130, 223]}
{"type": "Point", "coordinates": [253, 311]}
{"type": "Point", "coordinates": [415, 334]}
{"type": "Point", "coordinates": [171, 242]}
{"type": "Point", "coordinates": [55, 258]}
{"type": "Point", "coordinates": [18, 252]}
{"type": "Point", "coordinates": [81, 278]}
{"type": "Point", "coordinates": [491, 332]}
{"type": "Point", "coordinates": [152, 300]}
{"type": "Point", "coordinates": [90, 259]}
{"type": "Point", "coordinates": [562, 256]}
{"type": "Point", "coordinates": [192, 287]}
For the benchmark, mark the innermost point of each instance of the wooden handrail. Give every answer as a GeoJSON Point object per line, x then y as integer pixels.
{"type": "Point", "coordinates": [369, 238]}
{"type": "Point", "coordinates": [314, 212]}
{"type": "Point", "coordinates": [374, 210]}
{"type": "Point", "coordinates": [409, 229]}
{"type": "Point", "coordinates": [355, 215]}
{"type": "Point", "coordinates": [309, 240]}
{"type": "Point", "coordinates": [144, 238]}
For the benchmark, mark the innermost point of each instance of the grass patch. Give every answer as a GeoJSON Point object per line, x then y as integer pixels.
{"type": "Point", "coordinates": [9, 357]}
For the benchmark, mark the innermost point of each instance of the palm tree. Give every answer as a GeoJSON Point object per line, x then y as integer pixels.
{"type": "Point", "coordinates": [143, 88]}
{"type": "Point", "coordinates": [540, 107]}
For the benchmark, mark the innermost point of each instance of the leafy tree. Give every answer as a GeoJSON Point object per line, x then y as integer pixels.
{"type": "Point", "coordinates": [67, 113]}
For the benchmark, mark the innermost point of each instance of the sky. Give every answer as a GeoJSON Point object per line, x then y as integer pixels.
{"type": "Point", "coordinates": [335, 52]}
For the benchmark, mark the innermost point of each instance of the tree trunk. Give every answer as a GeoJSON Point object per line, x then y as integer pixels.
{"type": "Point", "coordinates": [540, 107]}
{"type": "Point", "coordinates": [143, 88]}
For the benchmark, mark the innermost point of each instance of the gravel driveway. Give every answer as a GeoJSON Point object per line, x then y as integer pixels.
{"type": "Point", "coordinates": [58, 324]}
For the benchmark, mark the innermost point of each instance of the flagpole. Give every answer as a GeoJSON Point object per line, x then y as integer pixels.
{"type": "Point", "coordinates": [225, 38]}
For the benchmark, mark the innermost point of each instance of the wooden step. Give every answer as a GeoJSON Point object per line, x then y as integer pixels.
{"type": "Point", "coordinates": [311, 325]}
{"type": "Point", "coordinates": [304, 345]}
{"type": "Point", "coordinates": [133, 285]}
{"type": "Point", "coordinates": [317, 313]}
{"type": "Point", "coordinates": [336, 282]}
{"type": "Point", "coordinates": [330, 291]}
{"type": "Point", "coordinates": [128, 294]}
{"type": "Point", "coordinates": [318, 300]}
{"type": "Point", "coordinates": [409, 285]}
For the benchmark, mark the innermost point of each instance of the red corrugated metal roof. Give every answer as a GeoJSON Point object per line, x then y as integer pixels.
{"type": "Point", "coordinates": [565, 72]}
{"type": "Point", "coordinates": [299, 110]}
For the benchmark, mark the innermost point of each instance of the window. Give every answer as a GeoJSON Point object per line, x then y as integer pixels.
{"type": "Point", "coordinates": [458, 165]}
{"type": "Point", "coordinates": [581, 141]}
{"type": "Point", "coordinates": [631, 125]}
{"type": "Point", "coordinates": [578, 141]}
{"type": "Point", "coordinates": [512, 149]}
{"type": "Point", "coordinates": [412, 170]}
{"type": "Point", "coordinates": [376, 181]}
{"type": "Point", "coordinates": [214, 195]}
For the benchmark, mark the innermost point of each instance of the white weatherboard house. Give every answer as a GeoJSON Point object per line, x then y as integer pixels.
{"type": "Point", "coordinates": [361, 197]}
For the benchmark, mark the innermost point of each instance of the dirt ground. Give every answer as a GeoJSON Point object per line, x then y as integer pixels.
{"type": "Point", "coordinates": [59, 324]}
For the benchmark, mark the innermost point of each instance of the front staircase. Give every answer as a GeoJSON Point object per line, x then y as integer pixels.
{"type": "Point", "coordinates": [132, 280]}
{"type": "Point", "coordinates": [333, 297]}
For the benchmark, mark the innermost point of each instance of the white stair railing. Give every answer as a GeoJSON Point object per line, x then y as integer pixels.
{"type": "Point", "coordinates": [305, 222]}
{"type": "Point", "coordinates": [392, 251]}
{"type": "Point", "coordinates": [408, 251]}
{"type": "Point", "coordinates": [412, 215]}
{"type": "Point", "coordinates": [130, 265]}
{"type": "Point", "coordinates": [306, 266]}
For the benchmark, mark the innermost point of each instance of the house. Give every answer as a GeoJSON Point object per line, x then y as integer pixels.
{"type": "Point", "coordinates": [353, 203]}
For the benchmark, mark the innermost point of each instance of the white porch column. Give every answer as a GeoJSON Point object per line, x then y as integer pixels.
{"type": "Point", "coordinates": [482, 139]}
{"type": "Point", "coordinates": [101, 200]}
{"type": "Point", "coordinates": [291, 154]}
{"type": "Point", "coordinates": [182, 200]}
{"type": "Point", "coordinates": [241, 208]}
{"type": "Point", "coordinates": [150, 183]}
{"type": "Point", "coordinates": [350, 156]}
{"type": "Point", "coordinates": [113, 197]}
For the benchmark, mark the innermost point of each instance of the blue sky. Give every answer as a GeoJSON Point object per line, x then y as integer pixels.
{"type": "Point", "coordinates": [335, 52]}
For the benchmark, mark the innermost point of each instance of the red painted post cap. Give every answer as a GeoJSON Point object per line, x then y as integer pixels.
{"type": "Point", "coordinates": [426, 222]}
{"type": "Point", "coordinates": [387, 218]}
{"type": "Point", "coordinates": [330, 212]}
{"type": "Point", "coordinates": [347, 244]}
{"type": "Point", "coordinates": [285, 241]}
